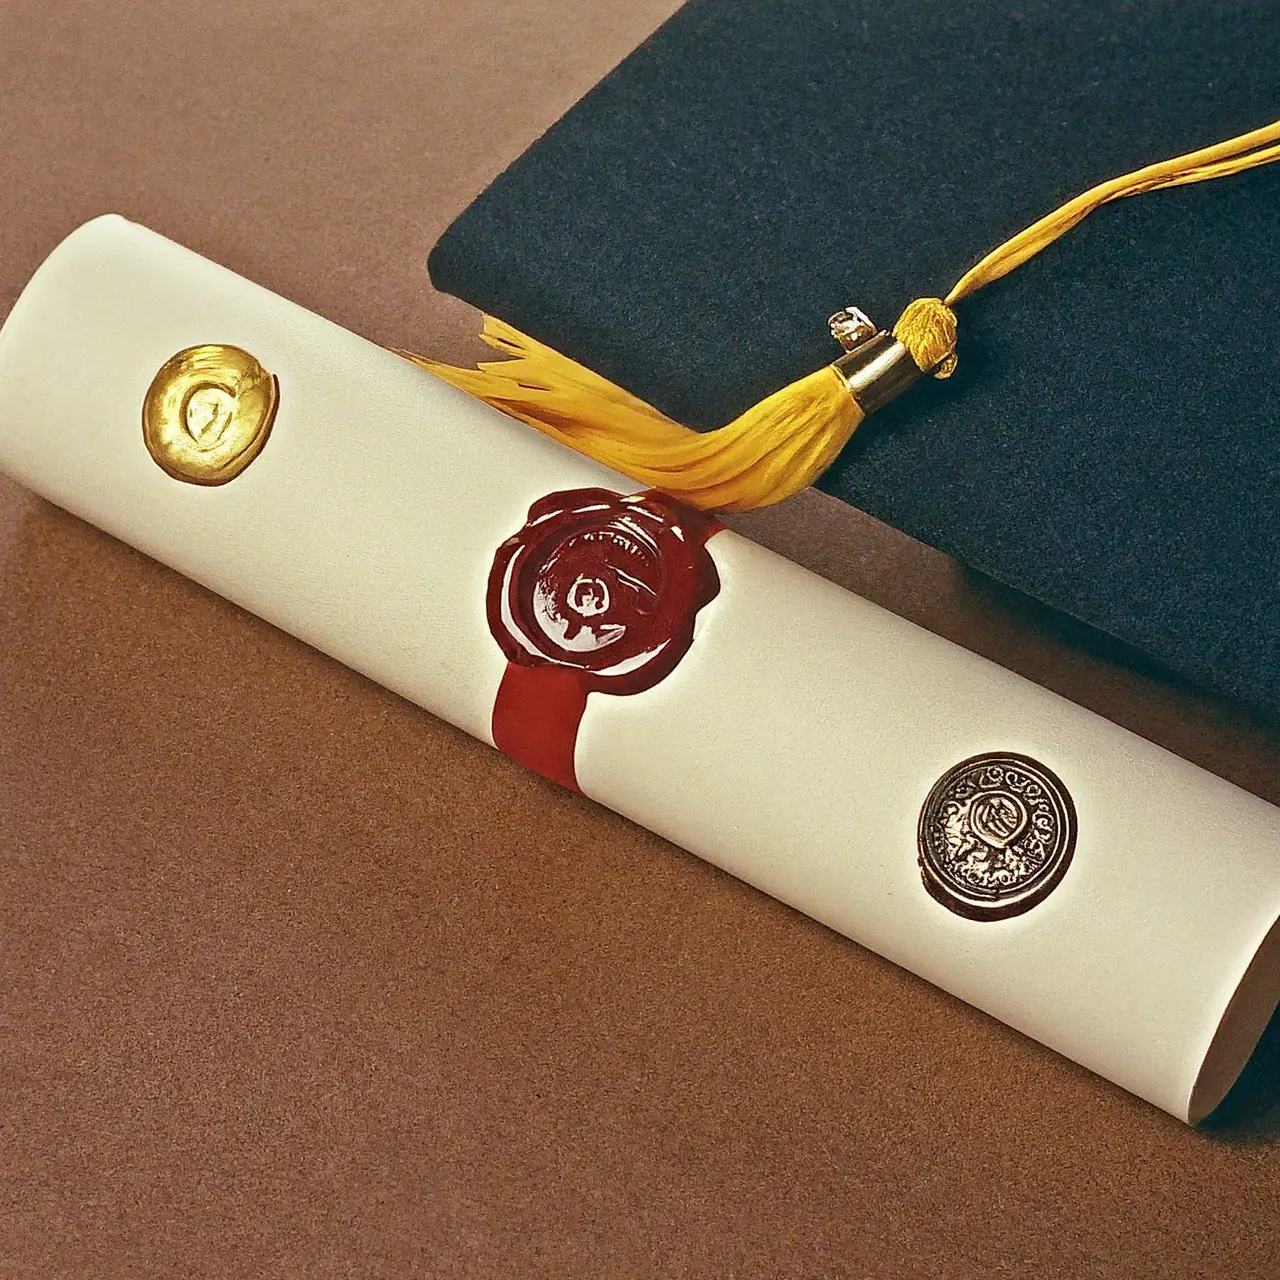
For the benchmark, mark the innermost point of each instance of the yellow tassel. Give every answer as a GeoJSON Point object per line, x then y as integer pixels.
{"type": "Point", "coordinates": [781, 445]}
{"type": "Point", "coordinates": [777, 448]}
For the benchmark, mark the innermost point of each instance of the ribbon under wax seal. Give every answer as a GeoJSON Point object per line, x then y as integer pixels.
{"type": "Point", "coordinates": [1080, 884]}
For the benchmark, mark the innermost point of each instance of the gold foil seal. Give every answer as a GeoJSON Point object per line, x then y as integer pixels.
{"type": "Point", "coordinates": [208, 412]}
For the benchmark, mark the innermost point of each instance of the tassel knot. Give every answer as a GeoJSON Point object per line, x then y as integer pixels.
{"type": "Point", "coordinates": [927, 328]}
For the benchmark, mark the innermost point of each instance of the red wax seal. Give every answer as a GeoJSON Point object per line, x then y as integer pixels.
{"type": "Point", "coordinates": [597, 593]}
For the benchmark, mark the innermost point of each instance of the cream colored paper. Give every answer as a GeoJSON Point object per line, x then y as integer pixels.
{"type": "Point", "coordinates": [794, 744]}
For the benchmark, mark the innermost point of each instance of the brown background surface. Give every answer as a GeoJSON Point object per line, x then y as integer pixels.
{"type": "Point", "coordinates": [297, 981]}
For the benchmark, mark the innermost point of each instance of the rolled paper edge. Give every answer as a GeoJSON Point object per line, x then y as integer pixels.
{"type": "Point", "coordinates": [1252, 1005]}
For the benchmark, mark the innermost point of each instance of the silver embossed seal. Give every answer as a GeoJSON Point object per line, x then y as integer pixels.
{"type": "Point", "coordinates": [996, 836]}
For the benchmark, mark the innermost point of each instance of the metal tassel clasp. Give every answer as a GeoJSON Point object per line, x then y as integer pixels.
{"type": "Point", "coordinates": [876, 367]}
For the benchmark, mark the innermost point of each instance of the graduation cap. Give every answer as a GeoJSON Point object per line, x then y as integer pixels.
{"type": "Point", "coordinates": [1108, 443]}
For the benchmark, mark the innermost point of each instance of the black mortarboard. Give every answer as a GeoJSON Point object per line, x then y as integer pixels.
{"type": "Point", "coordinates": [1111, 441]}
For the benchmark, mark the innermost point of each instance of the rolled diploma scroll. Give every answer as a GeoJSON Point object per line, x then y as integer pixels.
{"type": "Point", "coordinates": [794, 743]}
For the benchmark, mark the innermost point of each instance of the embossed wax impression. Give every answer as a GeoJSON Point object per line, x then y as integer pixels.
{"type": "Point", "coordinates": [996, 836]}
{"type": "Point", "coordinates": [1073, 880]}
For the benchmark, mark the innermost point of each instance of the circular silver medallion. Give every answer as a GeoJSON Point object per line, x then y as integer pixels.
{"type": "Point", "coordinates": [996, 836]}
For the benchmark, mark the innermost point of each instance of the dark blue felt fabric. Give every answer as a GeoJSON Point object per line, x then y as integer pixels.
{"type": "Point", "coordinates": [1111, 442]}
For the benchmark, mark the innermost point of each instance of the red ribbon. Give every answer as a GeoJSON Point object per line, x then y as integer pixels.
{"type": "Point", "coordinates": [536, 718]}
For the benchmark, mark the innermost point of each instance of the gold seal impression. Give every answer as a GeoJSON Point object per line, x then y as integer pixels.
{"type": "Point", "coordinates": [208, 412]}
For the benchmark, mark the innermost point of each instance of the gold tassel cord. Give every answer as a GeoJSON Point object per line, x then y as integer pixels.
{"type": "Point", "coordinates": [1248, 151]}
{"type": "Point", "coordinates": [782, 444]}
